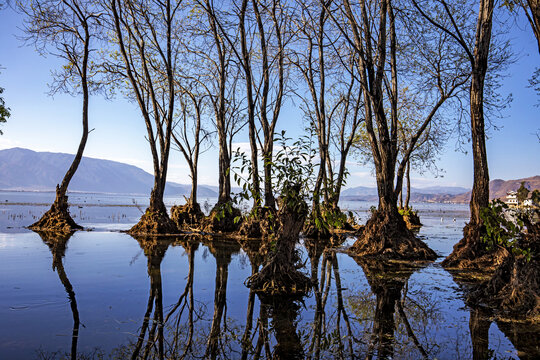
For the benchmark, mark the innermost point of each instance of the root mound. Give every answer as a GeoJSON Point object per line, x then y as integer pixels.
{"type": "Point", "coordinates": [154, 222]}
{"type": "Point", "coordinates": [187, 215]}
{"type": "Point", "coordinates": [388, 237]}
{"type": "Point", "coordinates": [222, 219]}
{"type": "Point", "coordinates": [470, 253]}
{"type": "Point", "coordinates": [279, 275]}
{"type": "Point", "coordinates": [328, 221]}
{"type": "Point", "coordinates": [57, 219]}
{"type": "Point", "coordinates": [261, 224]}
{"type": "Point", "coordinates": [411, 218]}
{"type": "Point", "coordinates": [514, 289]}
{"type": "Point", "coordinates": [277, 278]}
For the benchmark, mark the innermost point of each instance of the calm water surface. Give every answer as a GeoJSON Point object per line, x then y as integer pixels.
{"type": "Point", "coordinates": [105, 294]}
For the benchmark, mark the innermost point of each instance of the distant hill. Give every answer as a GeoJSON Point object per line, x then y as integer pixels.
{"type": "Point", "coordinates": [23, 169]}
{"type": "Point", "coordinates": [428, 194]}
{"type": "Point", "coordinates": [498, 188]}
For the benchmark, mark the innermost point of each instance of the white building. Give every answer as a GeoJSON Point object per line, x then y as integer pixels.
{"type": "Point", "coordinates": [511, 198]}
{"type": "Point", "coordinates": [527, 202]}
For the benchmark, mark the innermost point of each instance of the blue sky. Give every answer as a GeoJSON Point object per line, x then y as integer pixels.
{"type": "Point", "coordinates": [43, 123]}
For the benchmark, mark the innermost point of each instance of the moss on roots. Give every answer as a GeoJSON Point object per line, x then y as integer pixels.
{"type": "Point", "coordinates": [222, 219]}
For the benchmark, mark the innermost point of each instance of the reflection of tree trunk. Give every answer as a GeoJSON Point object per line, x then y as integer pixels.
{"type": "Point", "coordinates": [154, 249]}
{"type": "Point", "coordinates": [525, 337]}
{"type": "Point", "coordinates": [57, 245]}
{"type": "Point", "coordinates": [223, 254]}
{"type": "Point", "coordinates": [284, 312]}
{"type": "Point", "coordinates": [315, 249]}
{"type": "Point", "coordinates": [246, 338]}
{"type": "Point", "coordinates": [386, 282]}
{"type": "Point", "coordinates": [479, 327]}
{"type": "Point", "coordinates": [341, 311]}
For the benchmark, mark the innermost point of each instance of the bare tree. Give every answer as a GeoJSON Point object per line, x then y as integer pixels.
{"type": "Point", "coordinates": [477, 52]}
{"type": "Point", "coordinates": [220, 83]}
{"type": "Point", "coordinates": [372, 33]}
{"type": "Point", "coordinates": [332, 103]}
{"type": "Point", "coordinates": [67, 30]}
{"type": "Point", "coordinates": [191, 139]}
{"type": "Point", "coordinates": [147, 60]}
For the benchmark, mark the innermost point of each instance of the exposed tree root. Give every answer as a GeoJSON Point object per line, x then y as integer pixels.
{"type": "Point", "coordinates": [411, 218]}
{"type": "Point", "coordinates": [470, 253]}
{"type": "Point", "coordinates": [57, 219]}
{"type": "Point", "coordinates": [387, 237]}
{"type": "Point", "coordinates": [154, 222]}
{"type": "Point", "coordinates": [514, 289]}
{"type": "Point", "coordinates": [279, 274]}
{"type": "Point", "coordinates": [324, 223]}
{"type": "Point", "coordinates": [186, 216]}
{"type": "Point", "coordinates": [222, 219]}
{"type": "Point", "coordinates": [260, 224]}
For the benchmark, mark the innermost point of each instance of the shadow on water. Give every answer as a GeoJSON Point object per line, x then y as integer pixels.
{"type": "Point", "coordinates": [57, 244]}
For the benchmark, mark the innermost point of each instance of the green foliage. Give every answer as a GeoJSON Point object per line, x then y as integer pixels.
{"type": "Point", "coordinates": [535, 196]}
{"type": "Point", "coordinates": [223, 209]}
{"type": "Point", "coordinates": [501, 231]}
{"type": "Point", "coordinates": [4, 111]}
{"type": "Point", "coordinates": [522, 192]}
{"type": "Point", "coordinates": [292, 171]}
{"type": "Point", "coordinates": [408, 211]}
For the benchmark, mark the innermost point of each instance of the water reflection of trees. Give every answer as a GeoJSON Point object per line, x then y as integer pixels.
{"type": "Point", "coordinates": [57, 244]}
{"type": "Point", "coordinates": [388, 320]}
{"type": "Point", "coordinates": [222, 251]}
{"type": "Point", "coordinates": [152, 327]}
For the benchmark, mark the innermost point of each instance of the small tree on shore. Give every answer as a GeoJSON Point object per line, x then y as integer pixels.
{"type": "Point", "coordinates": [522, 193]}
{"type": "Point", "coordinates": [67, 30]}
{"type": "Point", "coordinates": [4, 110]}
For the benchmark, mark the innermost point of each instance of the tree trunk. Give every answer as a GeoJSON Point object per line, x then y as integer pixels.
{"type": "Point", "coordinates": [480, 190]}
{"type": "Point", "coordinates": [193, 194]}
{"type": "Point", "coordinates": [224, 176]}
{"type": "Point", "coordinates": [269, 199]}
{"type": "Point", "coordinates": [408, 177]}
{"type": "Point", "coordinates": [470, 249]}
{"type": "Point", "coordinates": [534, 19]}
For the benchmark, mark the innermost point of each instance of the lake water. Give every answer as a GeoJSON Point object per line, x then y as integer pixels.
{"type": "Point", "coordinates": [104, 294]}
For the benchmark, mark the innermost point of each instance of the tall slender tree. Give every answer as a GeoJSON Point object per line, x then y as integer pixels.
{"type": "Point", "coordinates": [68, 30]}
{"type": "Point", "coordinates": [477, 53]}
{"type": "Point", "coordinates": [146, 60]}
{"type": "Point", "coordinates": [371, 30]}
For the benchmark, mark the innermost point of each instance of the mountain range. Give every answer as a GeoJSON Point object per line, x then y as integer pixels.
{"type": "Point", "coordinates": [27, 170]}
{"type": "Point", "coordinates": [427, 194]}
{"type": "Point", "coordinates": [498, 188]}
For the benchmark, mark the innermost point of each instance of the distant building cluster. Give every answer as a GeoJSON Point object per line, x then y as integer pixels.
{"type": "Point", "coordinates": [513, 201]}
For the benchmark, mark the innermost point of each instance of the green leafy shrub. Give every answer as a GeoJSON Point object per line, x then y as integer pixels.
{"type": "Point", "coordinates": [500, 230]}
